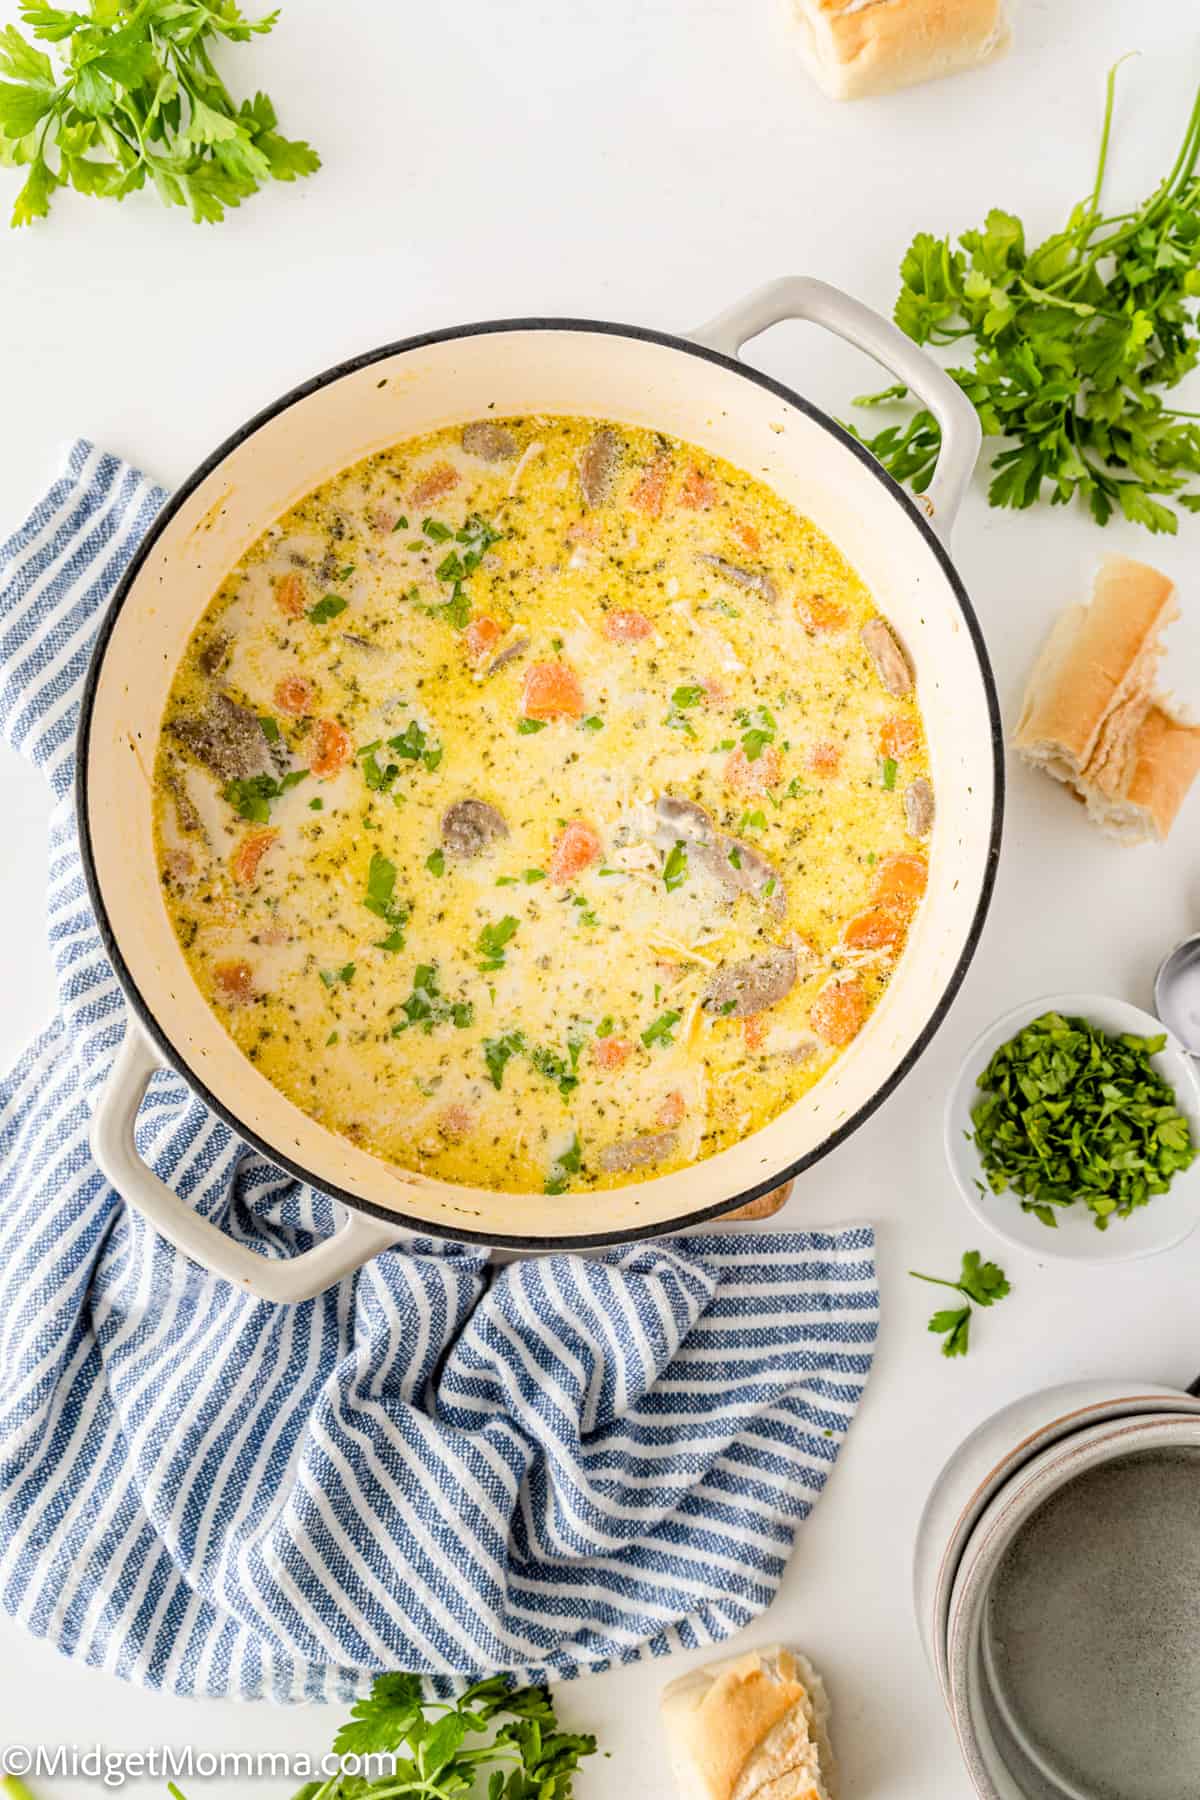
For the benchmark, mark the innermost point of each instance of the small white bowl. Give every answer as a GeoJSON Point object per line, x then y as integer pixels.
{"type": "Point", "coordinates": [1164, 1221]}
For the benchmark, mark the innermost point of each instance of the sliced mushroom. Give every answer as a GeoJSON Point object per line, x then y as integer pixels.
{"type": "Point", "coordinates": [471, 827]}
{"type": "Point", "coordinates": [889, 656]}
{"type": "Point", "coordinates": [740, 989]}
{"type": "Point", "coordinates": [918, 807]}
{"type": "Point", "coordinates": [185, 810]}
{"type": "Point", "coordinates": [214, 652]}
{"type": "Point", "coordinates": [636, 1152]}
{"type": "Point", "coordinates": [598, 467]}
{"type": "Point", "coordinates": [517, 647]}
{"type": "Point", "coordinates": [227, 738]}
{"type": "Point", "coordinates": [736, 867]}
{"type": "Point", "coordinates": [491, 442]}
{"type": "Point", "coordinates": [753, 580]}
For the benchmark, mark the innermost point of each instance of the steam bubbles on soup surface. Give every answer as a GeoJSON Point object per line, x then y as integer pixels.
{"type": "Point", "coordinates": [542, 804]}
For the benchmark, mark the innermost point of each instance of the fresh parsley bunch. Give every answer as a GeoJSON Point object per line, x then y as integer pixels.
{"type": "Point", "coordinates": [1074, 343]}
{"type": "Point", "coordinates": [525, 1755]}
{"type": "Point", "coordinates": [138, 97]}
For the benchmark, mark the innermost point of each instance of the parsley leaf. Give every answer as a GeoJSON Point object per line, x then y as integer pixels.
{"type": "Point", "coordinates": [427, 1006]}
{"type": "Point", "coordinates": [345, 975]}
{"type": "Point", "coordinates": [328, 607]}
{"type": "Point", "coordinates": [981, 1284]}
{"type": "Point", "coordinates": [660, 1031]}
{"type": "Point", "coordinates": [252, 796]}
{"type": "Point", "coordinates": [491, 941]}
{"type": "Point", "coordinates": [498, 1052]}
{"type": "Point", "coordinates": [567, 1163]}
{"type": "Point", "coordinates": [556, 1068]}
{"type": "Point", "coordinates": [676, 866]}
{"type": "Point", "coordinates": [1074, 344]}
{"type": "Point", "coordinates": [380, 899]}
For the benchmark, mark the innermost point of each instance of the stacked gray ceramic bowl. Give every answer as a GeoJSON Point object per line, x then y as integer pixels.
{"type": "Point", "coordinates": [1057, 1565]}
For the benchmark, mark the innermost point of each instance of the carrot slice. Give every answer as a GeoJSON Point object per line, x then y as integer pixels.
{"type": "Point", "coordinates": [576, 849]}
{"type": "Point", "coordinates": [651, 490]}
{"type": "Point", "coordinates": [879, 929]}
{"type": "Point", "coordinates": [819, 614]}
{"type": "Point", "coordinates": [290, 594]}
{"type": "Point", "coordinates": [294, 695]}
{"type": "Point", "coordinates": [627, 627]}
{"type": "Point", "coordinates": [838, 1011]}
{"type": "Point", "coordinates": [243, 864]}
{"type": "Point", "coordinates": [552, 691]}
{"type": "Point", "coordinates": [482, 634]}
{"type": "Point", "coordinates": [332, 749]}
{"type": "Point", "coordinates": [672, 1111]}
{"type": "Point", "coordinates": [823, 759]}
{"type": "Point", "coordinates": [900, 880]}
{"type": "Point", "coordinates": [434, 483]}
{"type": "Point", "coordinates": [698, 491]}
{"type": "Point", "coordinates": [747, 536]}
{"type": "Point", "coordinates": [610, 1052]}
{"type": "Point", "coordinates": [898, 737]}
{"type": "Point", "coordinates": [766, 771]}
{"type": "Point", "coordinates": [235, 982]}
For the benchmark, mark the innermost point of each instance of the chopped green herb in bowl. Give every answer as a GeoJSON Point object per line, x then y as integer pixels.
{"type": "Point", "coordinates": [1076, 1115]}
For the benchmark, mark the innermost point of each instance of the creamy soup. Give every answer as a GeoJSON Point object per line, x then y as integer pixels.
{"type": "Point", "coordinates": [543, 804]}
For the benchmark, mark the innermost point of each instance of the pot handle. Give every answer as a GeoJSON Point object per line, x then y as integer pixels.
{"type": "Point", "coordinates": [271, 1278]}
{"type": "Point", "coordinates": [799, 297]}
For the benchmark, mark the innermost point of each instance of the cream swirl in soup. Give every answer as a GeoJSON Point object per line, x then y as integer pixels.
{"type": "Point", "coordinates": [543, 804]}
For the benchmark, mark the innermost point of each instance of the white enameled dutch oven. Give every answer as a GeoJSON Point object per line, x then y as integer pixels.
{"type": "Point", "coordinates": [696, 389]}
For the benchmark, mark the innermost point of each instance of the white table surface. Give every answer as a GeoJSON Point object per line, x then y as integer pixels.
{"type": "Point", "coordinates": [648, 161]}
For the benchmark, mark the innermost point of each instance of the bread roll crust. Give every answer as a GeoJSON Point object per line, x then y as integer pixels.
{"type": "Point", "coordinates": [1091, 717]}
{"type": "Point", "coordinates": [856, 48]}
{"type": "Point", "coordinates": [751, 1727]}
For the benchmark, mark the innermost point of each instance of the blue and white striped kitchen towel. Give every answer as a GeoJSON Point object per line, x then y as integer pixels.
{"type": "Point", "coordinates": [433, 1466]}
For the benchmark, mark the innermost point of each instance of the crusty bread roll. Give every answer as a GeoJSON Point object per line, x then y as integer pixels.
{"type": "Point", "coordinates": [854, 48]}
{"type": "Point", "coordinates": [765, 1207]}
{"type": "Point", "coordinates": [1091, 716]}
{"type": "Point", "coordinates": [753, 1727]}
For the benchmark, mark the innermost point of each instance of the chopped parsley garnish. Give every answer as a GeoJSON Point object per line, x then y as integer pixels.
{"type": "Point", "coordinates": [327, 608]}
{"type": "Point", "coordinates": [586, 915]}
{"type": "Point", "coordinates": [380, 899]}
{"type": "Point", "coordinates": [331, 1039]}
{"type": "Point", "coordinates": [676, 866]}
{"type": "Point", "coordinates": [753, 821]}
{"type": "Point", "coordinates": [498, 1052]}
{"type": "Point", "coordinates": [735, 856]}
{"type": "Point", "coordinates": [593, 722]}
{"type": "Point", "coordinates": [685, 697]}
{"type": "Point", "coordinates": [435, 531]}
{"type": "Point", "coordinates": [1068, 1113]}
{"type": "Point", "coordinates": [606, 1026]}
{"type": "Point", "coordinates": [758, 730]}
{"type": "Point", "coordinates": [345, 975]}
{"type": "Point", "coordinates": [471, 544]}
{"type": "Point", "coordinates": [415, 745]}
{"type": "Point", "coordinates": [888, 772]}
{"type": "Point", "coordinates": [401, 523]}
{"type": "Point", "coordinates": [794, 789]}
{"type": "Point", "coordinates": [566, 1164]}
{"type": "Point", "coordinates": [317, 805]}
{"type": "Point", "coordinates": [427, 1006]}
{"type": "Point", "coordinates": [527, 727]}
{"type": "Point", "coordinates": [556, 1068]}
{"type": "Point", "coordinates": [435, 862]}
{"type": "Point", "coordinates": [660, 1031]}
{"type": "Point", "coordinates": [270, 729]}
{"type": "Point", "coordinates": [252, 796]}
{"type": "Point", "coordinates": [492, 940]}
